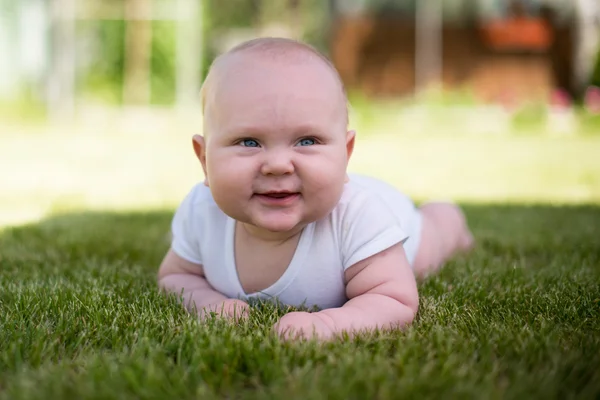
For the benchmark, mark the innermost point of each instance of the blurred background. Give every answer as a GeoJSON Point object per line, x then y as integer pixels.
{"type": "Point", "coordinates": [474, 100]}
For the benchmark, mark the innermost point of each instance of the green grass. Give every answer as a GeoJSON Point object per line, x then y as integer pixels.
{"type": "Point", "coordinates": [80, 317]}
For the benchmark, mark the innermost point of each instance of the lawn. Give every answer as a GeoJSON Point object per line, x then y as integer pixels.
{"type": "Point", "coordinates": [81, 318]}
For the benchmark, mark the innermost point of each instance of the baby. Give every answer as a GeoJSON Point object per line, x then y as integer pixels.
{"type": "Point", "coordinates": [278, 217]}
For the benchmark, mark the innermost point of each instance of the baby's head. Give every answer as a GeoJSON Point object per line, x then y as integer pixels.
{"type": "Point", "coordinates": [275, 146]}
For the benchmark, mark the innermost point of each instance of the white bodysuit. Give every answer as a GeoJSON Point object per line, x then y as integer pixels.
{"type": "Point", "coordinates": [370, 217]}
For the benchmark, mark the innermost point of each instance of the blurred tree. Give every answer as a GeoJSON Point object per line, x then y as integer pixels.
{"type": "Point", "coordinates": [138, 40]}
{"type": "Point", "coordinates": [101, 72]}
{"type": "Point", "coordinates": [189, 52]}
{"type": "Point", "coordinates": [227, 23]}
{"type": "Point", "coordinates": [61, 74]}
{"type": "Point", "coordinates": [104, 58]}
{"type": "Point", "coordinates": [596, 75]}
{"type": "Point", "coordinates": [116, 56]}
{"type": "Point", "coordinates": [587, 17]}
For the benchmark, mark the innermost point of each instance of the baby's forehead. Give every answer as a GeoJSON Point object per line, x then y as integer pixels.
{"type": "Point", "coordinates": [269, 78]}
{"type": "Point", "coordinates": [250, 69]}
{"type": "Point", "coordinates": [259, 66]}
{"type": "Point", "coordinates": [284, 51]}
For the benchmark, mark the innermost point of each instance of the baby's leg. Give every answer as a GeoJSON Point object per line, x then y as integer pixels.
{"type": "Point", "coordinates": [444, 232]}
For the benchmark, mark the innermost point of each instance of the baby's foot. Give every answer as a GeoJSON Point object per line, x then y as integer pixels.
{"type": "Point", "coordinates": [466, 241]}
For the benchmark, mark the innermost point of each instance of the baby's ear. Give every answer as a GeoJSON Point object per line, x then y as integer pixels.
{"type": "Point", "coordinates": [200, 150]}
{"type": "Point", "coordinates": [350, 136]}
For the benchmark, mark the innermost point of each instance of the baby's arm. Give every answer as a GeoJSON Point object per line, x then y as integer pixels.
{"type": "Point", "coordinates": [382, 293]}
{"type": "Point", "coordinates": [181, 277]}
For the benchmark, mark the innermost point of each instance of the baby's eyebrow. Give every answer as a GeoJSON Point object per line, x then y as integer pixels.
{"type": "Point", "coordinates": [244, 131]}
{"type": "Point", "coordinates": [300, 130]}
{"type": "Point", "coordinates": [309, 130]}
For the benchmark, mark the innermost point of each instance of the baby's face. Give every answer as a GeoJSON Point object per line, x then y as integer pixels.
{"type": "Point", "coordinates": [276, 146]}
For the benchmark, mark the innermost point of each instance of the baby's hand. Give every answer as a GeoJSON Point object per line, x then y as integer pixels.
{"type": "Point", "coordinates": [303, 325]}
{"type": "Point", "coordinates": [230, 308]}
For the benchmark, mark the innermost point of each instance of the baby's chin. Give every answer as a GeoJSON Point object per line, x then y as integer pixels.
{"type": "Point", "coordinates": [277, 226]}
{"type": "Point", "coordinates": [280, 226]}
{"type": "Point", "coordinates": [279, 223]}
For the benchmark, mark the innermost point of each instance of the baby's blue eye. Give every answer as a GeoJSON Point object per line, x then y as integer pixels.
{"type": "Point", "coordinates": [249, 143]}
{"type": "Point", "coordinates": [307, 142]}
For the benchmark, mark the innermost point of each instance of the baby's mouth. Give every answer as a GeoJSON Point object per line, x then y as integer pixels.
{"type": "Point", "coordinates": [278, 195]}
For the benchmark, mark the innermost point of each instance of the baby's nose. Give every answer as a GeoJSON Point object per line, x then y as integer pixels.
{"type": "Point", "coordinates": [277, 163]}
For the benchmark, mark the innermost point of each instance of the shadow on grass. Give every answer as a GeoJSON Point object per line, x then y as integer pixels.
{"type": "Point", "coordinates": [142, 237]}
{"type": "Point", "coordinates": [132, 237]}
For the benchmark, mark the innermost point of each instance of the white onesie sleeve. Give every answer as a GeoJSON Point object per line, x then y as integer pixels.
{"type": "Point", "coordinates": [368, 227]}
{"type": "Point", "coordinates": [185, 232]}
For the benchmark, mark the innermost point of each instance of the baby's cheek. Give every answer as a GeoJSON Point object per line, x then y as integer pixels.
{"type": "Point", "coordinates": [332, 182]}
{"type": "Point", "coordinates": [328, 172]}
{"type": "Point", "coordinates": [229, 174]}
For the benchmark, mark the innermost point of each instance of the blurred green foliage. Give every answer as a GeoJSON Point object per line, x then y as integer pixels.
{"type": "Point", "coordinates": [101, 47]}
{"type": "Point", "coordinates": [596, 74]}
{"type": "Point", "coordinates": [101, 73]}
{"type": "Point", "coordinates": [101, 78]}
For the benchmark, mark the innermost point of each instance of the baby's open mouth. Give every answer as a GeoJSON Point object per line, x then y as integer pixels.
{"type": "Point", "coordinates": [279, 195]}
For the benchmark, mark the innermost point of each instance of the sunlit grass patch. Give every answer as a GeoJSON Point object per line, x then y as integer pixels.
{"type": "Point", "coordinates": [45, 172]}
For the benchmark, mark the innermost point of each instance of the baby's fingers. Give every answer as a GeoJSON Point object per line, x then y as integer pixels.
{"type": "Point", "coordinates": [230, 308]}
{"type": "Point", "coordinates": [295, 325]}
